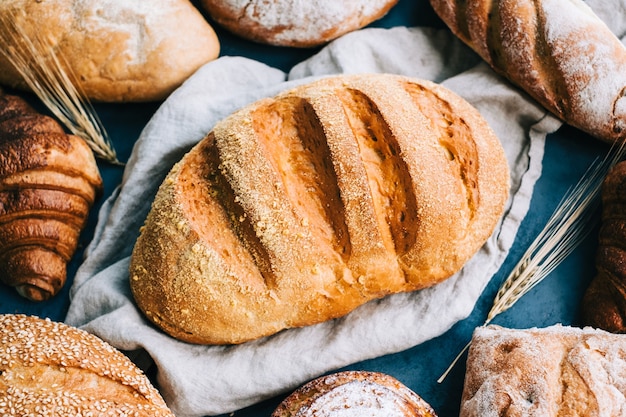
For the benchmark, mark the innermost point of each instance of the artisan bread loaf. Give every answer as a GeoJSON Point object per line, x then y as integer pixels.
{"type": "Point", "coordinates": [354, 393]}
{"type": "Point", "coordinates": [48, 368]}
{"type": "Point", "coordinates": [119, 50]}
{"type": "Point", "coordinates": [299, 208]}
{"type": "Point", "coordinates": [299, 23]}
{"type": "Point", "coordinates": [558, 51]}
{"type": "Point", "coordinates": [553, 371]}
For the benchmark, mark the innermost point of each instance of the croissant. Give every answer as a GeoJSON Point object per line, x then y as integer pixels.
{"type": "Point", "coordinates": [49, 181]}
{"type": "Point", "coordinates": [604, 301]}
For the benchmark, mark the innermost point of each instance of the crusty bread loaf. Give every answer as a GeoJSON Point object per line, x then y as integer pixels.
{"type": "Point", "coordinates": [49, 181]}
{"type": "Point", "coordinates": [553, 371]}
{"type": "Point", "coordinates": [48, 368]}
{"type": "Point", "coordinates": [558, 51]}
{"type": "Point", "coordinates": [299, 23]}
{"type": "Point", "coordinates": [604, 301]}
{"type": "Point", "coordinates": [299, 208]}
{"type": "Point", "coordinates": [354, 393]}
{"type": "Point", "coordinates": [119, 50]}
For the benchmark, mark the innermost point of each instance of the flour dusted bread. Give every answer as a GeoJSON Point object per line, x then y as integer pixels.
{"type": "Point", "coordinates": [558, 51]}
{"type": "Point", "coordinates": [48, 368]}
{"type": "Point", "coordinates": [553, 371]}
{"type": "Point", "coordinates": [299, 208]}
{"type": "Point", "coordinates": [354, 393]}
{"type": "Point", "coordinates": [295, 23]}
{"type": "Point", "coordinates": [119, 50]}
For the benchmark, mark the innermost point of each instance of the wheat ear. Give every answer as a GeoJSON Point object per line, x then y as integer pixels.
{"type": "Point", "coordinates": [51, 79]}
{"type": "Point", "coordinates": [572, 220]}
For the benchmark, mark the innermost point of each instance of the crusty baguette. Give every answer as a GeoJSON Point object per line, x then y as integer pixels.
{"type": "Point", "coordinates": [52, 369]}
{"type": "Point", "coordinates": [299, 23]}
{"type": "Point", "coordinates": [119, 50]}
{"type": "Point", "coordinates": [354, 393]}
{"type": "Point", "coordinates": [553, 371]}
{"type": "Point", "coordinates": [604, 301]}
{"type": "Point", "coordinates": [558, 51]}
{"type": "Point", "coordinates": [49, 181]}
{"type": "Point", "coordinates": [299, 208]}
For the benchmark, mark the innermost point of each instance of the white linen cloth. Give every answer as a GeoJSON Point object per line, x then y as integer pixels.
{"type": "Point", "coordinates": [208, 380]}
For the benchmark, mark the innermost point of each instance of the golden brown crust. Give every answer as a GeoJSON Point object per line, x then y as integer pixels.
{"type": "Point", "coordinates": [554, 371]}
{"type": "Point", "coordinates": [120, 51]}
{"type": "Point", "coordinates": [299, 208]}
{"type": "Point", "coordinates": [48, 368]}
{"type": "Point", "coordinates": [48, 183]}
{"type": "Point", "coordinates": [604, 302]}
{"type": "Point", "coordinates": [354, 393]}
{"type": "Point", "coordinates": [301, 23]}
{"type": "Point", "coordinates": [558, 51]}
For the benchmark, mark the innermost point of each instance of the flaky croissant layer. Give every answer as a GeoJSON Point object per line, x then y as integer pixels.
{"type": "Point", "coordinates": [49, 180]}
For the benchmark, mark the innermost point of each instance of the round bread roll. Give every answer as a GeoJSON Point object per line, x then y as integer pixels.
{"type": "Point", "coordinates": [299, 23]}
{"type": "Point", "coordinates": [354, 393]}
{"type": "Point", "coordinates": [299, 208]}
{"type": "Point", "coordinates": [119, 50]}
{"type": "Point", "coordinates": [51, 369]}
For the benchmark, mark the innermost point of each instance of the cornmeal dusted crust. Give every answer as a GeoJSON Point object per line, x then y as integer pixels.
{"type": "Point", "coordinates": [299, 208]}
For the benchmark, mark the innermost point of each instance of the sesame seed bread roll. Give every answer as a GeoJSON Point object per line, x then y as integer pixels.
{"type": "Point", "coordinates": [354, 394]}
{"type": "Point", "coordinates": [119, 50]}
{"type": "Point", "coordinates": [299, 208]}
{"type": "Point", "coordinates": [48, 368]}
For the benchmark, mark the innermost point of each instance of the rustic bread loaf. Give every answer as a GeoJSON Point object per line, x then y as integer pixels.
{"type": "Point", "coordinates": [299, 23]}
{"type": "Point", "coordinates": [119, 50]}
{"type": "Point", "coordinates": [354, 393]}
{"type": "Point", "coordinates": [554, 371]}
{"type": "Point", "coordinates": [49, 181]}
{"type": "Point", "coordinates": [558, 51]}
{"type": "Point", "coordinates": [299, 208]}
{"type": "Point", "coordinates": [51, 369]}
{"type": "Point", "coordinates": [604, 301]}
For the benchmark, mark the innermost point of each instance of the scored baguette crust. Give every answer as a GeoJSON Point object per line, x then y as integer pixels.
{"type": "Point", "coordinates": [558, 51]}
{"type": "Point", "coordinates": [553, 371]}
{"type": "Point", "coordinates": [354, 393]}
{"type": "Point", "coordinates": [299, 23]}
{"type": "Point", "coordinates": [299, 208]}
{"type": "Point", "coordinates": [48, 368]}
{"type": "Point", "coordinates": [119, 50]}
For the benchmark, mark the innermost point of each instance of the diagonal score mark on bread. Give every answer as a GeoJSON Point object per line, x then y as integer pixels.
{"type": "Point", "coordinates": [299, 208]}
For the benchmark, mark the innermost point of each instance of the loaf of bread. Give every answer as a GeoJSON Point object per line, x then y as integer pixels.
{"type": "Point", "coordinates": [553, 371]}
{"type": "Point", "coordinates": [604, 301]}
{"type": "Point", "coordinates": [354, 393]}
{"type": "Point", "coordinates": [299, 208]}
{"type": "Point", "coordinates": [300, 23]}
{"type": "Point", "coordinates": [48, 368]}
{"type": "Point", "coordinates": [558, 51]}
{"type": "Point", "coordinates": [49, 181]}
{"type": "Point", "coordinates": [119, 50]}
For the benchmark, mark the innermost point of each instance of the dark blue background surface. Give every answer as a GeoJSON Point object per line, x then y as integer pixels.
{"type": "Point", "coordinates": [556, 300]}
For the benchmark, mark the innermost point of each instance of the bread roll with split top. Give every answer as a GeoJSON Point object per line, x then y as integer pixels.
{"type": "Point", "coordinates": [299, 208]}
{"type": "Point", "coordinates": [354, 393]}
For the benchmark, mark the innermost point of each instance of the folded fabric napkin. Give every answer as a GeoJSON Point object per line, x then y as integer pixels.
{"type": "Point", "coordinates": [208, 380]}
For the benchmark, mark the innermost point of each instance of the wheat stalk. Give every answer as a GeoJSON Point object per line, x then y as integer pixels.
{"type": "Point", "coordinates": [55, 85]}
{"type": "Point", "coordinates": [572, 220]}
